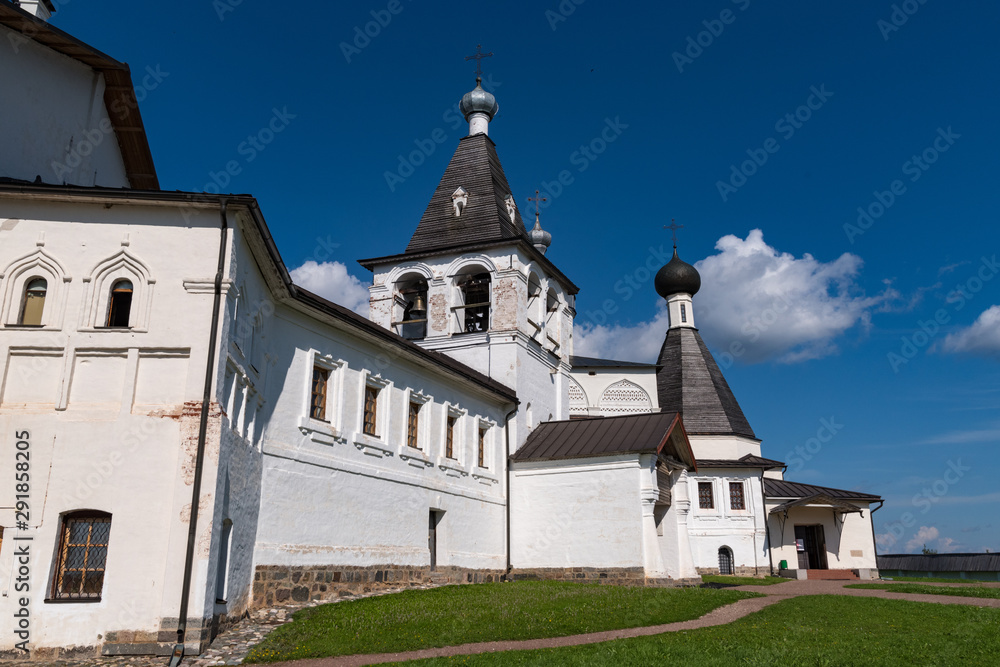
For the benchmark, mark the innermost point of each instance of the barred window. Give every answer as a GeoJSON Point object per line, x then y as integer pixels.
{"type": "Point", "coordinates": [321, 377]}
{"type": "Point", "coordinates": [449, 438]}
{"type": "Point", "coordinates": [706, 500]}
{"type": "Point", "coordinates": [83, 551]}
{"type": "Point", "coordinates": [412, 424]}
{"type": "Point", "coordinates": [482, 448]}
{"type": "Point", "coordinates": [736, 500]}
{"type": "Point", "coordinates": [371, 409]}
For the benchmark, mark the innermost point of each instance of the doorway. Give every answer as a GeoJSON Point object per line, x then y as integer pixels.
{"type": "Point", "coordinates": [433, 521]}
{"type": "Point", "coordinates": [810, 544]}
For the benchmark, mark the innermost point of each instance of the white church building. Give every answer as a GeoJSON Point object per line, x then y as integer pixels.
{"type": "Point", "coordinates": [188, 435]}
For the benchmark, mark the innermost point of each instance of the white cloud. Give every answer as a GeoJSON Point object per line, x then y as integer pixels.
{"type": "Point", "coordinates": [948, 545]}
{"type": "Point", "coordinates": [331, 281]}
{"type": "Point", "coordinates": [924, 535]}
{"type": "Point", "coordinates": [983, 337]}
{"type": "Point", "coordinates": [758, 304]}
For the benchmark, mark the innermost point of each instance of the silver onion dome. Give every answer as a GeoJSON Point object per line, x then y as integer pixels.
{"type": "Point", "coordinates": [540, 238]}
{"type": "Point", "coordinates": [478, 100]}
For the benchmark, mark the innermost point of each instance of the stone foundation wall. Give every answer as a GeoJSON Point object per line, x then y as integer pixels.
{"type": "Point", "coordinates": [740, 571]}
{"type": "Point", "coordinates": [620, 576]}
{"type": "Point", "coordinates": [276, 585]}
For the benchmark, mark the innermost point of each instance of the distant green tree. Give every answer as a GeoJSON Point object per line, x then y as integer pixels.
{"type": "Point", "coordinates": [928, 552]}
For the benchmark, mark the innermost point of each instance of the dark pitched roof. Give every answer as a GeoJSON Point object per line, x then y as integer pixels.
{"type": "Point", "coordinates": [594, 362]}
{"type": "Point", "coordinates": [748, 461]}
{"type": "Point", "coordinates": [940, 562]}
{"type": "Point", "coordinates": [476, 168]}
{"type": "Point", "coordinates": [119, 93]}
{"type": "Point", "coordinates": [779, 488]}
{"type": "Point", "coordinates": [604, 436]}
{"type": "Point", "coordinates": [690, 382]}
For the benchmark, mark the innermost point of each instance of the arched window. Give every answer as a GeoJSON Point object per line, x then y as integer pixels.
{"type": "Point", "coordinates": [411, 298]}
{"type": "Point", "coordinates": [34, 302]}
{"type": "Point", "coordinates": [83, 552]}
{"type": "Point", "coordinates": [475, 302]}
{"type": "Point", "coordinates": [726, 565]}
{"type": "Point", "coordinates": [120, 304]}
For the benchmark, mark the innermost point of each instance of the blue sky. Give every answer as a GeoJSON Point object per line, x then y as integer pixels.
{"type": "Point", "coordinates": [762, 129]}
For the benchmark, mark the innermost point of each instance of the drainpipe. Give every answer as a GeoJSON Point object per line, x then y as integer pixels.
{"type": "Point", "coordinates": [507, 508]}
{"type": "Point", "coordinates": [871, 520]}
{"type": "Point", "coordinates": [767, 523]}
{"type": "Point", "coordinates": [206, 403]}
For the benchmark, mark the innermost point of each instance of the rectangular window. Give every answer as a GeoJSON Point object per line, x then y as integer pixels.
{"type": "Point", "coordinates": [482, 447]}
{"type": "Point", "coordinates": [736, 500]}
{"type": "Point", "coordinates": [371, 409]}
{"type": "Point", "coordinates": [321, 377]}
{"type": "Point", "coordinates": [705, 499]}
{"type": "Point", "coordinates": [412, 424]}
{"type": "Point", "coordinates": [449, 438]}
{"type": "Point", "coordinates": [83, 551]}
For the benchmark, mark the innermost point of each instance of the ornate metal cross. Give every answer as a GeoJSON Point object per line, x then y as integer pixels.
{"type": "Point", "coordinates": [478, 57]}
{"type": "Point", "coordinates": [673, 227]}
{"type": "Point", "coordinates": [537, 199]}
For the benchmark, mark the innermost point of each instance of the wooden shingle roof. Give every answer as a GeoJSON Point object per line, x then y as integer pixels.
{"type": "Point", "coordinates": [476, 168]}
{"type": "Point", "coordinates": [689, 381]}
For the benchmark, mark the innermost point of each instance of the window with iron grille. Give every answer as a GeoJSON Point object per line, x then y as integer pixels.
{"type": "Point", "coordinates": [412, 423]}
{"type": "Point", "coordinates": [371, 409]}
{"type": "Point", "coordinates": [726, 564]}
{"type": "Point", "coordinates": [449, 438]}
{"type": "Point", "coordinates": [83, 551]}
{"type": "Point", "coordinates": [706, 500]}
{"type": "Point", "coordinates": [736, 500]}
{"type": "Point", "coordinates": [321, 377]}
{"type": "Point", "coordinates": [482, 448]}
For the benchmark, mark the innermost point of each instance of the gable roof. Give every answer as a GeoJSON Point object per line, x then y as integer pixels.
{"type": "Point", "coordinates": [748, 461]}
{"type": "Point", "coordinates": [594, 362]}
{"type": "Point", "coordinates": [689, 381]}
{"type": "Point", "coordinates": [780, 488]}
{"type": "Point", "coordinates": [606, 436]}
{"type": "Point", "coordinates": [119, 93]}
{"type": "Point", "coordinates": [476, 168]}
{"type": "Point", "coordinates": [974, 562]}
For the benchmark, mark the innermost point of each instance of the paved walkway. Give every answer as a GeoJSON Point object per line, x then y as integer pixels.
{"type": "Point", "coordinates": [721, 616]}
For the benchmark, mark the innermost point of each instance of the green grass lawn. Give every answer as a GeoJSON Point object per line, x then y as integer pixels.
{"type": "Point", "coordinates": [943, 580]}
{"type": "Point", "coordinates": [743, 581]}
{"type": "Point", "coordinates": [484, 612]}
{"type": "Point", "coordinates": [808, 631]}
{"type": "Point", "coordinates": [964, 591]}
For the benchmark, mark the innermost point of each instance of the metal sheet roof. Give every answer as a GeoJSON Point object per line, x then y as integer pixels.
{"type": "Point", "coordinates": [940, 562]}
{"type": "Point", "coordinates": [748, 461]}
{"type": "Point", "coordinates": [780, 488]}
{"type": "Point", "coordinates": [604, 436]}
{"type": "Point", "coordinates": [594, 362]}
{"type": "Point", "coordinates": [690, 382]}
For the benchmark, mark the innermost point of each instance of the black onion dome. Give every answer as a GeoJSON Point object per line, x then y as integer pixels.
{"type": "Point", "coordinates": [676, 277]}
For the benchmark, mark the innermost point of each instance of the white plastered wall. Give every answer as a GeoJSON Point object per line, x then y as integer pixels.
{"type": "Point", "coordinates": [850, 547]}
